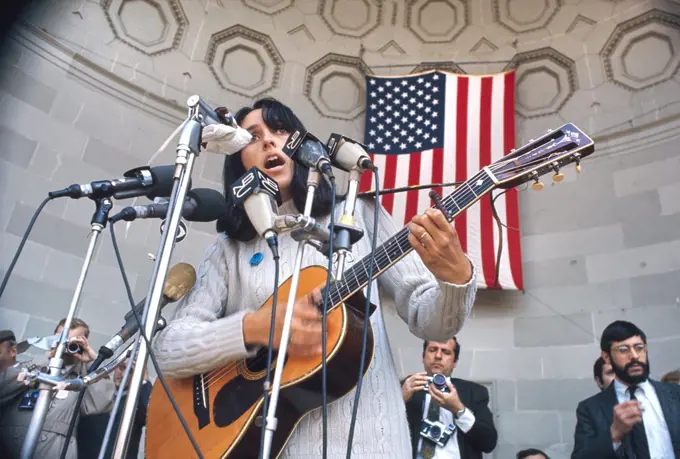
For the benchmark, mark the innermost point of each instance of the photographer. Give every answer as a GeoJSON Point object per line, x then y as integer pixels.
{"type": "Point", "coordinates": [17, 401]}
{"type": "Point", "coordinates": [452, 420]}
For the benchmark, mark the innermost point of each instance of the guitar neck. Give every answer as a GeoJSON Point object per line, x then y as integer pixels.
{"type": "Point", "coordinates": [398, 246]}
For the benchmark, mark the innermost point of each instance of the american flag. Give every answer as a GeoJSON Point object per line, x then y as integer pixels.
{"type": "Point", "coordinates": [439, 127]}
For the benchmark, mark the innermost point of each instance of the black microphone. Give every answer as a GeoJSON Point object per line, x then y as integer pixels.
{"type": "Point", "coordinates": [151, 182]}
{"type": "Point", "coordinates": [201, 205]}
{"type": "Point", "coordinates": [348, 154]}
{"type": "Point", "coordinates": [178, 282]}
{"type": "Point", "coordinates": [259, 196]}
{"type": "Point", "coordinates": [303, 148]}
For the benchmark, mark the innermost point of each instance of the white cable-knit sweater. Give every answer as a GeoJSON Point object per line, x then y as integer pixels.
{"type": "Point", "coordinates": [207, 331]}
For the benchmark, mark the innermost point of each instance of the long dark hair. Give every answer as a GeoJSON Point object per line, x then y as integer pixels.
{"type": "Point", "coordinates": [235, 222]}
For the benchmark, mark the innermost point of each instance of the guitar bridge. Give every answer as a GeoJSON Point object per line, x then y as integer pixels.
{"type": "Point", "coordinates": [201, 400]}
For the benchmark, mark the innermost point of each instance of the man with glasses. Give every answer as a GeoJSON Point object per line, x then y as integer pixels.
{"type": "Point", "coordinates": [635, 417]}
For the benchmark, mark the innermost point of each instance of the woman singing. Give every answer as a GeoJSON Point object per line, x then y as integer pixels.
{"type": "Point", "coordinates": [221, 319]}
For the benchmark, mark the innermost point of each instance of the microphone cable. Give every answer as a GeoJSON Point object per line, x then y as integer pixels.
{"type": "Point", "coordinates": [270, 351]}
{"type": "Point", "coordinates": [133, 355]}
{"type": "Point", "coordinates": [324, 314]}
{"type": "Point", "coordinates": [22, 243]}
{"type": "Point", "coordinates": [367, 312]}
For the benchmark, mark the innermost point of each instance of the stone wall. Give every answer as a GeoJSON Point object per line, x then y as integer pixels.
{"type": "Point", "coordinates": [89, 89]}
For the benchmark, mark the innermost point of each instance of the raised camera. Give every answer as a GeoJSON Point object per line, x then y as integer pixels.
{"type": "Point", "coordinates": [73, 348]}
{"type": "Point", "coordinates": [437, 380]}
{"type": "Point", "coordinates": [436, 431]}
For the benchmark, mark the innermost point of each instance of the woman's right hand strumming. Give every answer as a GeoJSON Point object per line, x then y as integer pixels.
{"type": "Point", "coordinates": [305, 328]}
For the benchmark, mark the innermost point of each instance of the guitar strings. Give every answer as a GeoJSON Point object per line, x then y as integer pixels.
{"type": "Point", "coordinates": [212, 377]}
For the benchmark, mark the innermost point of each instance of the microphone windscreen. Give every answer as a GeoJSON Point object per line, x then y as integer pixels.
{"type": "Point", "coordinates": [210, 205]}
{"type": "Point", "coordinates": [179, 281]}
{"type": "Point", "coordinates": [163, 177]}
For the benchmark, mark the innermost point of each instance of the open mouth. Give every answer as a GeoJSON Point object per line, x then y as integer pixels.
{"type": "Point", "coordinates": [273, 163]}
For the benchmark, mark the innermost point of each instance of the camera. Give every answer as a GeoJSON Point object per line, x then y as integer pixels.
{"type": "Point", "coordinates": [439, 381]}
{"type": "Point", "coordinates": [73, 348]}
{"type": "Point", "coordinates": [29, 400]}
{"type": "Point", "coordinates": [436, 431]}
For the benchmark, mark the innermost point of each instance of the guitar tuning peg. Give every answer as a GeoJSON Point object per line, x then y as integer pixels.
{"type": "Point", "coordinates": [537, 186]}
{"type": "Point", "coordinates": [577, 158]}
{"type": "Point", "coordinates": [558, 177]}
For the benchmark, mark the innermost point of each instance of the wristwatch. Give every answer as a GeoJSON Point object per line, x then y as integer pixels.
{"type": "Point", "coordinates": [459, 413]}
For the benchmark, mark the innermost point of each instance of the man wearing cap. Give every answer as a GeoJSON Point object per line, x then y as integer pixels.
{"type": "Point", "coordinates": [17, 402]}
{"type": "Point", "coordinates": [8, 350]}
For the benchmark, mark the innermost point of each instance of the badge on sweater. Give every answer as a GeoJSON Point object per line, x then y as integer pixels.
{"type": "Point", "coordinates": [256, 259]}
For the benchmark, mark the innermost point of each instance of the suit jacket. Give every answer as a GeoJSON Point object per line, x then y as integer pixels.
{"type": "Point", "coordinates": [14, 422]}
{"type": "Point", "coordinates": [481, 438]}
{"type": "Point", "coordinates": [92, 429]}
{"type": "Point", "coordinates": [592, 437]}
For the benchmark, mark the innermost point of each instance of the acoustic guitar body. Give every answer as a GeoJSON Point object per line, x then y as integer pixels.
{"type": "Point", "coordinates": [223, 407]}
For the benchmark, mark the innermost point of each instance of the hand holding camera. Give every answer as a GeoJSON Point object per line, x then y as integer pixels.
{"type": "Point", "coordinates": [446, 397]}
{"type": "Point", "coordinates": [414, 383]}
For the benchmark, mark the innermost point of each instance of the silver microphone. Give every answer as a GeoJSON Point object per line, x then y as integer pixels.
{"type": "Point", "coordinates": [259, 196]}
{"type": "Point", "coordinates": [348, 154]}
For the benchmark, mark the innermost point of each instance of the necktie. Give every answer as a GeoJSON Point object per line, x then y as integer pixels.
{"type": "Point", "coordinates": [638, 437]}
{"type": "Point", "coordinates": [427, 448]}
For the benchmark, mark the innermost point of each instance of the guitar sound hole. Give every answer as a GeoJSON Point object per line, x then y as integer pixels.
{"type": "Point", "coordinates": [258, 363]}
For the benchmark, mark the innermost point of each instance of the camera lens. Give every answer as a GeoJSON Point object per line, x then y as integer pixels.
{"type": "Point", "coordinates": [435, 431]}
{"type": "Point", "coordinates": [439, 381]}
{"type": "Point", "coordinates": [73, 348]}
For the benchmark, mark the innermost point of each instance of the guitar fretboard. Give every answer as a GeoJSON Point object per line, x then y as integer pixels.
{"type": "Point", "coordinates": [398, 246]}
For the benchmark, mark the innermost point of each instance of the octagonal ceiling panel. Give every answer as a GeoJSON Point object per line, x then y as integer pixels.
{"type": "Point", "coordinates": [525, 15]}
{"type": "Point", "coordinates": [643, 51]}
{"type": "Point", "coordinates": [149, 26]}
{"type": "Point", "coordinates": [546, 79]}
{"type": "Point", "coordinates": [268, 6]}
{"type": "Point", "coordinates": [351, 18]}
{"type": "Point", "coordinates": [244, 61]}
{"type": "Point", "coordinates": [437, 21]}
{"type": "Point", "coordinates": [335, 85]}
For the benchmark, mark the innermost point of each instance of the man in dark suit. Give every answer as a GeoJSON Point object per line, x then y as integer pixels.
{"type": "Point", "coordinates": [635, 417]}
{"type": "Point", "coordinates": [92, 429]}
{"type": "Point", "coordinates": [465, 405]}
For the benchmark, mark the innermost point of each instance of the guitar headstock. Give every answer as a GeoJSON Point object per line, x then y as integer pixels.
{"type": "Point", "coordinates": [549, 153]}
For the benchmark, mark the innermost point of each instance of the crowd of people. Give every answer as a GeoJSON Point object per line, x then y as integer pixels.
{"type": "Point", "coordinates": [432, 415]}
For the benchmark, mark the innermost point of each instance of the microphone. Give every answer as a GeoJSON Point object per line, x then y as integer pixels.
{"type": "Point", "coordinates": [151, 182]}
{"type": "Point", "coordinates": [259, 196]}
{"type": "Point", "coordinates": [201, 205]}
{"type": "Point", "coordinates": [305, 149]}
{"type": "Point", "coordinates": [178, 282]}
{"type": "Point", "coordinates": [348, 154]}
{"type": "Point", "coordinates": [208, 116]}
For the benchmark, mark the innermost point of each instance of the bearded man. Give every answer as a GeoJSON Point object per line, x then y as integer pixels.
{"type": "Point", "coordinates": [635, 417]}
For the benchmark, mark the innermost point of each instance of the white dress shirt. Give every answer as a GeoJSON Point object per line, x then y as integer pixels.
{"type": "Point", "coordinates": [656, 429]}
{"type": "Point", "coordinates": [464, 423]}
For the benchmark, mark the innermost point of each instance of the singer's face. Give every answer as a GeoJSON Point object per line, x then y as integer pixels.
{"type": "Point", "coordinates": [265, 152]}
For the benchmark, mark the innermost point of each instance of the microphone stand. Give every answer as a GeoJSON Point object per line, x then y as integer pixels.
{"type": "Point", "coordinates": [56, 363]}
{"type": "Point", "coordinates": [271, 421]}
{"type": "Point", "coordinates": [346, 234]}
{"type": "Point", "coordinates": [188, 147]}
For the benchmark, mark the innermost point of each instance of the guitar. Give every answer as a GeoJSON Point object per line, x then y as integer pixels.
{"type": "Point", "coordinates": [223, 407]}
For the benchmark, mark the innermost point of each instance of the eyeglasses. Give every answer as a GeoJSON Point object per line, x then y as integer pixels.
{"type": "Point", "coordinates": [624, 349]}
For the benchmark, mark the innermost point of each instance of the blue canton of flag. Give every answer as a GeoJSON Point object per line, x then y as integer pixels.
{"type": "Point", "coordinates": [405, 114]}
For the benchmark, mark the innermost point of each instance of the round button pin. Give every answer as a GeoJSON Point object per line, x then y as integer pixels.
{"type": "Point", "coordinates": [256, 259]}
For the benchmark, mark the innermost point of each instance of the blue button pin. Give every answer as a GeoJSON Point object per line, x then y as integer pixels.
{"type": "Point", "coordinates": [256, 259]}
